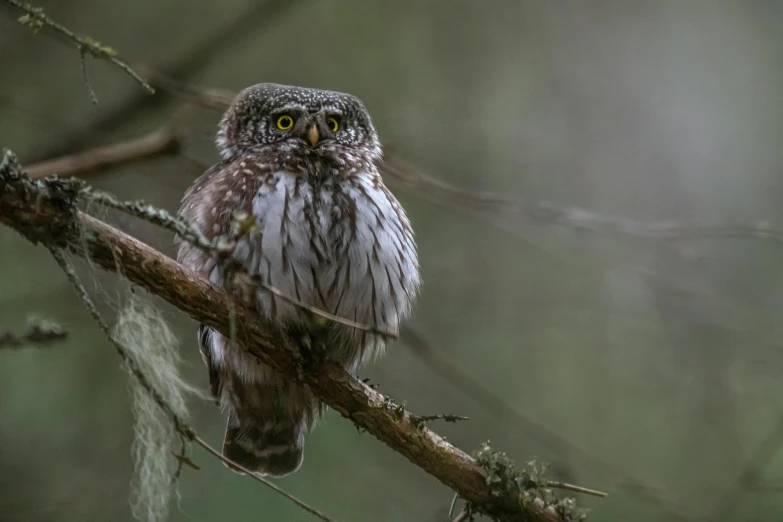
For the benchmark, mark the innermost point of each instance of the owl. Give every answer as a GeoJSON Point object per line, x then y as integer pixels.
{"type": "Point", "coordinates": [301, 163]}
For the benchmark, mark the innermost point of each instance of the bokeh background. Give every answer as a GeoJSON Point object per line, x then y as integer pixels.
{"type": "Point", "coordinates": [650, 369]}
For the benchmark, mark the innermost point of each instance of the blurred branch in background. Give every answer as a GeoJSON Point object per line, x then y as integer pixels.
{"type": "Point", "coordinates": [572, 218]}
{"type": "Point", "coordinates": [510, 210]}
{"type": "Point", "coordinates": [45, 212]}
{"type": "Point", "coordinates": [749, 479]}
{"type": "Point", "coordinates": [35, 19]}
{"type": "Point", "coordinates": [258, 15]}
{"type": "Point", "coordinates": [39, 332]}
{"type": "Point", "coordinates": [158, 143]}
{"type": "Point", "coordinates": [441, 364]}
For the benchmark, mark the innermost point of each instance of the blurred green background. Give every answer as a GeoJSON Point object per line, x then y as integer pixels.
{"type": "Point", "coordinates": [648, 369]}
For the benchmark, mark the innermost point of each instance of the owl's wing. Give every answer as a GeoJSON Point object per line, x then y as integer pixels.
{"type": "Point", "coordinates": [209, 205]}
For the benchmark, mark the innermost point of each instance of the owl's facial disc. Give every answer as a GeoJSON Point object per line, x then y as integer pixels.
{"type": "Point", "coordinates": [269, 117]}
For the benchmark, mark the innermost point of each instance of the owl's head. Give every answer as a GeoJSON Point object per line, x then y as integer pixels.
{"type": "Point", "coordinates": [298, 121]}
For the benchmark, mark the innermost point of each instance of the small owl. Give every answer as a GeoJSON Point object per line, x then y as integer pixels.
{"type": "Point", "coordinates": [326, 231]}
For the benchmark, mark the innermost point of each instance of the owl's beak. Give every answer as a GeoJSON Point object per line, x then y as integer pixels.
{"type": "Point", "coordinates": [312, 134]}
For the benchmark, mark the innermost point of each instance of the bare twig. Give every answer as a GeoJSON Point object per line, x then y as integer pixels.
{"type": "Point", "coordinates": [576, 489]}
{"type": "Point", "coordinates": [39, 333]}
{"type": "Point", "coordinates": [441, 364]}
{"type": "Point", "coordinates": [572, 218]}
{"type": "Point", "coordinates": [230, 463]}
{"type": "Point", "coordinates": [35, 18]}
{"type": "Point", "coordinates": [45, 211]}
{"type": "Point", "coordinates": [160, 142]}
{"type": "Point", "coordinates": [434, 358]}
{"type": "Point", "coordinates": [258, 15]}
{"type": "Point", "coordinates": [204, 97]}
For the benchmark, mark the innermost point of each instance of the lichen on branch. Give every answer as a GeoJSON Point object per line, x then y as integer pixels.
{"type": "Point", "coordinates": [35, 18]}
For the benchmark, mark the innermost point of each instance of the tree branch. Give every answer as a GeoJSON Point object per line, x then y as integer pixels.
{"type": "Point", "coordinates": [39, 333]}
{"type": "Point", "coordinates": [45, 212]}
{"type": "Point", "coordinates": [160, 142]}
{"type": "Point", "coordinates": [35, 18]}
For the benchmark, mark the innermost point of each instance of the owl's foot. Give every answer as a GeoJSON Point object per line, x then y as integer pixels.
{"type": "Point", "coordinates": [311, 350]}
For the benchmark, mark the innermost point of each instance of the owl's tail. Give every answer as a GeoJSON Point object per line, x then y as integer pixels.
{"type": "Point", "coordinates": [266, 448]}
{"type": "Point", "coordinates": [267, 424]}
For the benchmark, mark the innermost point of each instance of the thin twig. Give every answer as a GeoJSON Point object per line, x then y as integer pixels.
{"type": "Point", "coordinates": [572, 218]}
{"type": "Point", "coordinates": [35, 18]}
{"type": "Point", "coordinates": [453, 503]}
{"type": "Point", "coordinates": [256, 280]}
{"type": "Point", "coordinates": [38, 333]}
{"type": "Point", "coordinates": [83, 63]}
{"type": "Point", "coordinates": [182, 459]}
{"type": "Point", "coordinates": [576, 489]}
{"type": "Point", "coordinates": [437, 361]}
{"type": "Point", "coordinates": [230, 463]}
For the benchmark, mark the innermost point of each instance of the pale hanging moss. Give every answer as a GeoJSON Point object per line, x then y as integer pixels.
{"type": "Point", "coordinates": [153, 347]}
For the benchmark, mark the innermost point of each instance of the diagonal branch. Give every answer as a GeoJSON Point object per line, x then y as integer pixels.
{"type": "Point", "coordinates": [45, 212]}
{"type": "Point", "coordinates": [35, 18]}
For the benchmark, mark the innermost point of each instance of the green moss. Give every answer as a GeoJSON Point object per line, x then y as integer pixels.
{"type": "Point", "coordinates": [528, 483]}
{"type": "Point", "coordinates": [96, 48]}
{"type": "Point", "coordinates": [34, 19]}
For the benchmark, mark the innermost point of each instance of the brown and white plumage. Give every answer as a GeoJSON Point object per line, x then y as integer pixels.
{"type": "Point", "coordinates": [327, 232]}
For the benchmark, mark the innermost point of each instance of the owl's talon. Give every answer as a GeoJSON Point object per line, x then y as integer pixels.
{"type": "Point", "coordinates": [312, 354]}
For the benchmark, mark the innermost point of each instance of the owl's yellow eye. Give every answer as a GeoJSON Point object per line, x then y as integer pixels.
{"type": "Point", "coordinates": [333, 125]}
{"type": "Point", "coordinates": [285, 122]}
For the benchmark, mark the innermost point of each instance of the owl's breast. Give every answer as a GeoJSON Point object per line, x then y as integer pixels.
{"type": "Point", "coordinates": [342, 246]}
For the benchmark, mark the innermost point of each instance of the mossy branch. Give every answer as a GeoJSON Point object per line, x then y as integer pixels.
{"type": "Point", "coordinates": [34, 18]}
{"type": "Point", "coordinates": [45, 211]}
{"type": "Point", "coordinates": [40, 332]}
